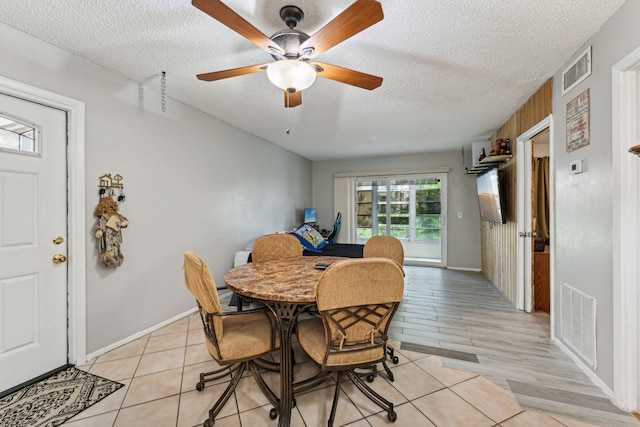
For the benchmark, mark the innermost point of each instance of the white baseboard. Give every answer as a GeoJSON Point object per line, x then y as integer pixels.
{"type": "Point", "coordinates": [476, 270]}
{"type": "Point", "coordinates": [416, 262]}
{"type": "Point", "coordinates": [137, 335]}
{"type": "Point", "coordinates": [592, 376]}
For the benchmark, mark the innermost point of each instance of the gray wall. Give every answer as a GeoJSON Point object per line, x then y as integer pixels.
{"type": "Point", "coordinates": [463, 249]}
{"type": "Point", "coordinates": [583, 247]}
{"type": "Point", "coordinates": [191, 181]}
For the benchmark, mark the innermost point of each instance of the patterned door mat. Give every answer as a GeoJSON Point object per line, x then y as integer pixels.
{"type": "Point", "coordinates": [55, 399]}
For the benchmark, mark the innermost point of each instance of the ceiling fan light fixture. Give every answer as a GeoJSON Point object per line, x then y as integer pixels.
{"type": "Point", "coordinates": [291, 75]}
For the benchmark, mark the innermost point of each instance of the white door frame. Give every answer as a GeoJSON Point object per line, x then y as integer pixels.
{"type": "Point", "coordinates": [76, 237]}
{"type": "Point", "coordinates": [626, 232]}
{"type": "Point", "coordinates": [523, 293]}
{"type": "Point", "coordinates": [524, 184]}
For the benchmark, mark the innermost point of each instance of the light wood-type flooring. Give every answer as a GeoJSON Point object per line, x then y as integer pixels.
{"type": "Point", "coordinates": [467, 357]}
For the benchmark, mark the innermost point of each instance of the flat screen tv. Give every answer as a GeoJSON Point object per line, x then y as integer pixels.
{"type": "Point", "coordinates": [491, 197]}
{"type": "Point", "coordinates": [310, 216]}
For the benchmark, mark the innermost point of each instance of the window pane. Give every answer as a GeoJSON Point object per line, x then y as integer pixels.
{"type": "Point", "coordinates": [428, 234]}
{"type": "Point", "coordinates": [364, 209]}
{"type": "Point", "coordinates": [400, 232]}
{"type": "Point", "coordinates": [17, 136]}
{"type": "Point", "coordinates": [400, 199]}
{"type": "Point", "coordinates": [400, 209]}
{"type": "Point", "coordinates": [428, 208]}
{"type": "Point", "coordinates": [425, 221]}
{"type": "Point", "coordinates": [400, 220]}
{"type": "Point", "coordinates": [364, 233]}
{"type": "Point", "coordinates": [364, 220]}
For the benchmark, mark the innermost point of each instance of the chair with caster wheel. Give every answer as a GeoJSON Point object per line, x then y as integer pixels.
{"type": "Point", "coordinates": [356, 299]}
{"type": "Point", "coordinates": [385, 247]}
{"type": "Point", "coordinates": [276, 247]}
{"type": "Point", "coordinates": [271, 247]}
{"type": "Point", "coordinates": [236, 340]}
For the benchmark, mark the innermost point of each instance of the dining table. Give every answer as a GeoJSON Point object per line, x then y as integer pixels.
{"type": "Point", "coordinates": [287, 287]}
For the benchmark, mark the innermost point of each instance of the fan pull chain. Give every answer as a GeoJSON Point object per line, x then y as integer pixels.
{"type": "Point", "coordinates": [140, 95]}
{"type": "Point", "coordinates": [288, 120]}
{"type": "Point", "coordinates": [163, 91]}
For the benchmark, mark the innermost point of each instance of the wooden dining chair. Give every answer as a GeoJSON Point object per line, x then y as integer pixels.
{"type": "Point", "coordinates": [385, 247]}
{"type": "Point", "coordinates": [236, 340]}
{"type": "Point", "coordinates": [356, 299]}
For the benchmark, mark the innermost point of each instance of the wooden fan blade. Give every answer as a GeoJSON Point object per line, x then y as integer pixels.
{"type": "Point", "coordinates": [350, 77]}
{"type": "Point", "coordinates": [292, 99]}
{"type": "Point", "coordinates": [225, 15]}
{"type": "Point", "coordinates": [359, 16]}
{"type": "Point", "coordinates": [225, 74]}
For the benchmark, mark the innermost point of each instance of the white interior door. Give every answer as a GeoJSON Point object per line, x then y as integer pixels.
{"type": "Point", "coordinates": [33, 229]}
{"type": "Point", "coordinates": [524, 151]}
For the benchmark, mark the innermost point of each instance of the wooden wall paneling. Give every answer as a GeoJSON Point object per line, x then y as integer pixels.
{"type": "Point", "coordinates": [499, 243]}
{"type": "Point", "coordinates": [535, 109]}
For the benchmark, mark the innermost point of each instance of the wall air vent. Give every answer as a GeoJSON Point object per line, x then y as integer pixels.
{"type": "Point", "coordinates": [579, 70]}
{"type": "Point", "coordinates": [578, 323]}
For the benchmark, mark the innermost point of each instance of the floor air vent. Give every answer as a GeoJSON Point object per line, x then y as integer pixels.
{"type": "Point", "coordinates": [578, 324]}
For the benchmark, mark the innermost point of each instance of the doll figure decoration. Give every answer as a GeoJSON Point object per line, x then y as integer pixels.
{"type": "Point", "coordinates": [109, 232]}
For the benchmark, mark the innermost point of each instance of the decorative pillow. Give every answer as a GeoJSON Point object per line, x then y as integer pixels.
{"type": "Point", "coordinates": [309, 237]}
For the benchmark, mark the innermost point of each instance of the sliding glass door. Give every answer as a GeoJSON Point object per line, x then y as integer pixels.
{"type": "Point", "coordinates": [411, 208]}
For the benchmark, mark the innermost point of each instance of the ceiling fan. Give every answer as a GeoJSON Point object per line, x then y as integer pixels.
{"type": "Point", "coordinates": [293, 50]}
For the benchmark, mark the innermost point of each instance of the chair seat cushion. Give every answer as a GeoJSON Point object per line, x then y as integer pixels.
{"type": "Point", "coordinates": [312, 340]}
{"type": "Point", "coordinates": [246, 336]}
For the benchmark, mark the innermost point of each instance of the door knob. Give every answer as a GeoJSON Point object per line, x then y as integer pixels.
{"type": "Point", "coordinates": [59, 258]}
{"type": "Point", "coordinates": [58, 240]}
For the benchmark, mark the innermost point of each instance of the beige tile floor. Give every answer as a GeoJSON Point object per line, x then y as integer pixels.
{"type": "Point", "coordinates": [160, 371]}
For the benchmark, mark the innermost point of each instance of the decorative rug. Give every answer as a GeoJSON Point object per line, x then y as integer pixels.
{"type": "Point", "coordinates": [53, 400]}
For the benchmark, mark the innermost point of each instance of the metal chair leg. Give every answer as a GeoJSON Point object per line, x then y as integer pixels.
{"type": "Point", "coordinates": [222, 400]}
{"type": "Point", "coordinates": [392, 356]}
{"type": "Point", "coordinates": [373, 396]}
{"type": "Point", "coordinates": [388, 371]}
{"type": "Point", "coordinates": [205, 377]}
{"type": "Point", "coordinates": [336, 395]}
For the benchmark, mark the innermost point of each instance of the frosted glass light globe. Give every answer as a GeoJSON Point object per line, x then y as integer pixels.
{"type": "Point", "coordinates": [291, 75]}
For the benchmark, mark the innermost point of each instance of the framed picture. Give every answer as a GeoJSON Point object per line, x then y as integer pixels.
{"type": "Point", "coordinates": [578, 122]}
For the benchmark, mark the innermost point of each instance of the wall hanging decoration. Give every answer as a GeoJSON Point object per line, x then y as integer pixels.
{"type": "Point", "coordinates": [501, 147]}
{"type": "Point", "coordinates": [578, 122]}
{"type": "Point", "coordinates": [110, 222]}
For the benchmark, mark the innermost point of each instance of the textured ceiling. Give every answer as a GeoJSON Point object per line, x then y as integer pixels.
{"type": "Point", "coordinates": [454, 70]}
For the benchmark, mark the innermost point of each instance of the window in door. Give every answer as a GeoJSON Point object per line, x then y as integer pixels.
{"type": "Point", "coordinates": [17, 136]}
{"type": "Point", "coordinates": [408, 208]}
